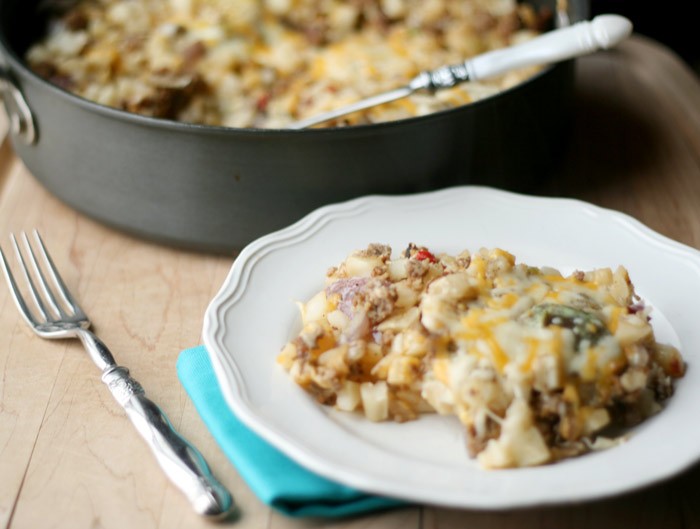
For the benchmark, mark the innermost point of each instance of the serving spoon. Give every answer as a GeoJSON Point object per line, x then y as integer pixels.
{"type": "Point", "coordinates": [582, 38]}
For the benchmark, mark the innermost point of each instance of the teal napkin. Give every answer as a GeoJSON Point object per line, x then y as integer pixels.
{"type": "Point", "coordinates": [273, 477]}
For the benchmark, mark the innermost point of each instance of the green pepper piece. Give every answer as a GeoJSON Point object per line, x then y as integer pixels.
{"type": "Point", "coordinates": [585, 325]}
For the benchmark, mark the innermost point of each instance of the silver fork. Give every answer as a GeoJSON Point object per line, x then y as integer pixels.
{"type": "Point", "coordinates": [58, 315]}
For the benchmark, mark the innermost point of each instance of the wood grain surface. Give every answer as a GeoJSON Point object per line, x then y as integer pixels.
{"type": "Point", "coordinates": [70, 459]}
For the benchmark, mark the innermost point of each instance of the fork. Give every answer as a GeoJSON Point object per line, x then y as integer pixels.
{"type": "Point", "coordinates": [57, 315]}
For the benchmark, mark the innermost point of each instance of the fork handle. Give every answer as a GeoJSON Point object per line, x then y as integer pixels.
{"type": "Point", "coordinates": [181, 462]}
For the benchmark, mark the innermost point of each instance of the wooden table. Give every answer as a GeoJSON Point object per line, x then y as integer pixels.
{"type": "Point", "coordinates": [68, 456]}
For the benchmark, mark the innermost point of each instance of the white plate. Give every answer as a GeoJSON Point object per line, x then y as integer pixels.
{"type": "Point", "coordinates": [254, 314]}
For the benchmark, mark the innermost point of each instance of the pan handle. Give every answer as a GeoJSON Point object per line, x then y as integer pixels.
{"type": "Point", "coordinates": [18, 111]}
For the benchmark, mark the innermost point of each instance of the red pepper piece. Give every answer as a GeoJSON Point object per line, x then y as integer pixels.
{"type": "Point", "coordinates": [423, 254]}
{"type": "Point", "coordinates": [262, 102]}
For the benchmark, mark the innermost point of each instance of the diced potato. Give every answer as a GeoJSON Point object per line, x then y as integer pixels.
{"type": "Point", "coordinates": [621, 288]}
{"type": "Point", "coordinates": [437, 315]}
{"type": "Point", "coordinates": [402, 320]}
{"type": "Point", "coordinates": [337, 319]}
{"type": "Point", "coordinates": [375, 400]}
{"type": "Point", "coordinates": [314, 309]}
{"type": "Point", "coordinates": [356, 351]}
{"type": "Point", "coordinates": [548, 372]}
{"type": "Point", "coordinates": [438, 396]}
{"type": "Point", "coordinates": [453, 287]}
{"type": "Point", "coordinates": [398, 269]}
{"type": "Point", "coordinates": [670, 359]}
{"type": "Point", "coordinates": [310, 334]}
{"type": "Point", "coordinates": [403, 370]}
{"type": "Point", "coordinates": [406, 296]}
{"type": "Point", "coordinates": [440, 370]}
{"type": "Point", "coordinates": [415, 401]}
{"type": "Point", "coordinates": [373, 354]}
{"type": "Point", "coordinates": [361, 266]}
{"type": "Point", "coordinates": [348, 397]}
{"type": "Point", "coordinates": [394, 8]}
{"type": "Point", "coordinates": [549, 271]}
{"type": "Point", "coordinates": [631, 329]}
{"type": "Point", "coordinates": [438, 304]}
{"type": "Point", "coordinates": [335, 359]}
{"type": "Point", "coordinates": [520, 443]}
{"type": "Point", "coordinates": [633, 380]}
{"type": "Point", "coordinates": [381, 368]}
{"type": "Point", "coordinates": [594, 420]}
{"type": "Point", "coordinates": [411, 342]}
{"type": "Point", "coordinates": [605, 443]}
{"type": "Point", "coordinates": [602, 276]}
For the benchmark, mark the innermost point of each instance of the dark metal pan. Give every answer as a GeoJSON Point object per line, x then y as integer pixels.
{"type": "Point", "coordinates": [216, 189]}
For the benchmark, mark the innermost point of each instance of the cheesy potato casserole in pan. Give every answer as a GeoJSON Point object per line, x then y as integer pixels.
{"type": "Point", "coordinates": [536, 365]}
{"type": "Point", "coordinates": [266, 63]}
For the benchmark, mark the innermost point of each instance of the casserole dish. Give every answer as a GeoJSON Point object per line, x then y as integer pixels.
{"type": "Point", "coordinates": [217, 188]}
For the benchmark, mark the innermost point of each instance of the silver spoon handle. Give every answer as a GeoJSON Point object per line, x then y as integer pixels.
{"type": "Point", "coordinates": [603, 32]}
{"type": "Point", "coordinates": [380, 99]}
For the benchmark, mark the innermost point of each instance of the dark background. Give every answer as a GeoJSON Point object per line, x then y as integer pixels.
{"type": "Point", "coordinates": [665, 22]}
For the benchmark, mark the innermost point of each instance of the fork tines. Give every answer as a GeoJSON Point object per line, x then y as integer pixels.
{"type": "Point", "coordinates": [51, 298]}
